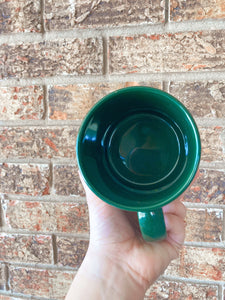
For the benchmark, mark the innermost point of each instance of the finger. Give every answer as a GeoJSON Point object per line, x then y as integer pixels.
{"type": "Point", "coordinates": [176, 208]}
{"type": "Point", "coordinates": [175, 227]}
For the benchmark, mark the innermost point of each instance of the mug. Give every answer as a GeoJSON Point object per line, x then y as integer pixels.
{"type": "Point", "coordinates": [138, 149]}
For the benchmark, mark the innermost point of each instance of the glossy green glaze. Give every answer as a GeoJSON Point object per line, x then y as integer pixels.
{"type": "Point", "coordinates": [138, 149]}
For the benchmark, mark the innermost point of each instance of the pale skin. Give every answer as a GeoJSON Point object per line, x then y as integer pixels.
{"type": "Point", "coordinates": [118, 263]}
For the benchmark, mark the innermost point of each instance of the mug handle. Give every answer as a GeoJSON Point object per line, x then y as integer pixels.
{"type": "Point", "coordinates": [152, 225]}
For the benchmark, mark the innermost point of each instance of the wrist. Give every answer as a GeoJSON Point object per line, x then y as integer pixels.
{"type": "Point", "coordinates": [111, 279]}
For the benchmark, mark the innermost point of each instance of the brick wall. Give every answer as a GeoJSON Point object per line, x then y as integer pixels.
{"type": "Point", "coordinates": [58, 58]}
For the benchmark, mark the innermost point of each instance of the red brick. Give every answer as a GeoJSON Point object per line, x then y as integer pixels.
{"type": "Point", "coordinates": [22, 103]}
{"type": "Point", "coordinates": [51, 284]}
{"type": "Point", "coordinates": [172, 290]}
{"type": "Point", "coordinates": [71, 251]}
{"type": "Point", "coordinates": [213, 143]}
{"type": "Point", "coordinates": [51, 58]}
{"type": "Point", "coordinates": [46, 216]}
{"type": "Point", "coordinates": [178, 52]}
{"type": "Point", "coordinates": [67, 15]}
{"type": "Point", "coordinates": [20, 16]}
{"type": "Point", "coordinates": [202, 98]}
{"type": "Point", "coordinates": [199, 263]}
{"type": "Point", "coordinates": [27, 179]}
{"type": "Point", "coordinates": [25, 248]}
{"type": "Point", "coordinates": [208, 188]}
{"type": "Point", "coordinates": [196, 10]}
{"type": "Point", "coordinates": [72, 102]}
{"type": "Point", "coordinates": [66, 181]}
{"type": "Point", "coordinates": [204, 225]}
{"type": "Point", "coordinates": [38, 142]}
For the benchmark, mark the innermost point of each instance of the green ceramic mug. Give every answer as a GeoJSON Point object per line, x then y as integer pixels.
{"type": "Point", "coordinates": [138, 149]}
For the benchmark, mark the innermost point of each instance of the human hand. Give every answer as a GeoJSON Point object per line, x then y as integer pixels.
{"type": "Point", "coordinates": [116, 233]}
{"type": "Point", "coordinates": [119, 264]}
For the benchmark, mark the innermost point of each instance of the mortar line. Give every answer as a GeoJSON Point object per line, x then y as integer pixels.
{"type": "Point", "coordinates": [42, 2]}
{"type": "Point", "coordinates": [46, 104]}
{"type": "Point", "coordinates": [165, 86]}
{"type": "Point", "coordinates": [202, 122]}
{"type": "Point", "coordinates": [54, 249]}
{"type": "Point", "coordinates": [20, 296]}
{"type": "Point", "coordinates": [87, 79]}
{"type": "Point", "coordinates": [190, 280]}
{"type": "Point", "coordinates": [25, 232]}
{"type": "Point", "coordinates": [220, 292]}
{"type": "Point", "coordinates": [167, 11]}
{"type": "Point", "coordinates": [223, 227]}
{"type": "Point", "coordinates": [38, 266]}
{"type": "Point", "coordinates": [158, 28]}
{"type": "Point", "coordinates": [105, 56]}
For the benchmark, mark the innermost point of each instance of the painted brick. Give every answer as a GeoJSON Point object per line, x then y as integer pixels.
{"type": "Point", "coordinates": [71, 251]}
{"type": "Point", "coordinates": [199, 263]}
{"type": "Point", "coordinates": [208, 188]}
{"type": "Point", "coordinates": [213, 143]}
{"type": "Point", "coordinates": [49, 284]}
{"type": "Point", "coordinates": [184, 51]}
{"type": "Point", "coordinates": [178, 290]}
{"type": "Point", "coordinates": [72, 102]}
{"type": "Point", "coordinates": [66, 14]}
{"type": "Point", "coordinates": [66, 181]}
{"type": "Point", "coordinates": [202, 98]}
{"type": "Point", "coordinates": [50, 58]}
{"type": "Point", "coordinates": [2, 276]}
{"type": "Point", "coordinates": [20, 16]}
{"type": "Point", "coordinates": [25, 248]}
{"type": "Point", "coordinates": [204, 225]}
{"type": "Point", "coordinates": [22, 103]}
{"type": "Point", "coordinates": [38, 142]}
{"type": "Point", "coordinates": [46, 217]}
{"type": "Point", "coordinates": [196, 10]}
{"type": "Point", "coordinates": [27, 179]}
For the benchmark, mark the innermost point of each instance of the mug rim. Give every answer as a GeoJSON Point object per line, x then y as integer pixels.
{"type": "Point", "coordinates": [120, 92]}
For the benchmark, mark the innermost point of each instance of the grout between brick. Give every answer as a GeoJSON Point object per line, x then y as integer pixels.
{"type": "Point", "coordinates": [167, 11]}
{"type": "Point", "coordinates": [105, 56]}
{"type": "Point", "coordinates": [54, 249]}
{"type": "Point", "coordinates": [42, 2]}
{"type": "Point", "coordinates": [112, 78]}
{"type": "Point", "coordinates": [168, 27]}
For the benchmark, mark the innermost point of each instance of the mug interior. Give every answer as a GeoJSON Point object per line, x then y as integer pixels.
{"type": "Point", "coordinates": [138, 148]}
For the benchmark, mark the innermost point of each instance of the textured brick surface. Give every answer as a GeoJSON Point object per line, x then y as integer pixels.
{"type": "Point", "coordinates": [208, 188]}
{"type": "Point", "coordinates": [21, 103]}
{"type": "Point", "coordinates": [72, 102]}
{"type": "Point", "coordinates": [66, 180]}
{"type": "Point", "coordinates": [178, 290]}
{"type": "Point", "coordinates": [196, 10]}
{"type": "Point", "coordinates": [20, 16]}
{"type": "Point", "coordinates": [49, 58]}
{"type": "Point", "coordinates": [28, 179]}
{"type": "Point", "coordinates": [38, 142]}
{"type": "Point", "coordinates": [49, 284]}
{"type": "Point", "coordinates": [204, 225]}
{"type": "Point", "coordinates": [71, 251]}
{"type": "Point", "coordinates": [26, 248]}
{"type": "Point", "coordinates": [45, 217]}
{"type": "Point", "coordinates": [199, 263]}
{"type": "Point", "coordinates": [202, 98]}
{"type": "Point", "coordinates": [213, 143]}
{"type": "Point", "coordinates": [68, 14]}
{"type": "Point", "coordinates": [185, 51]}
